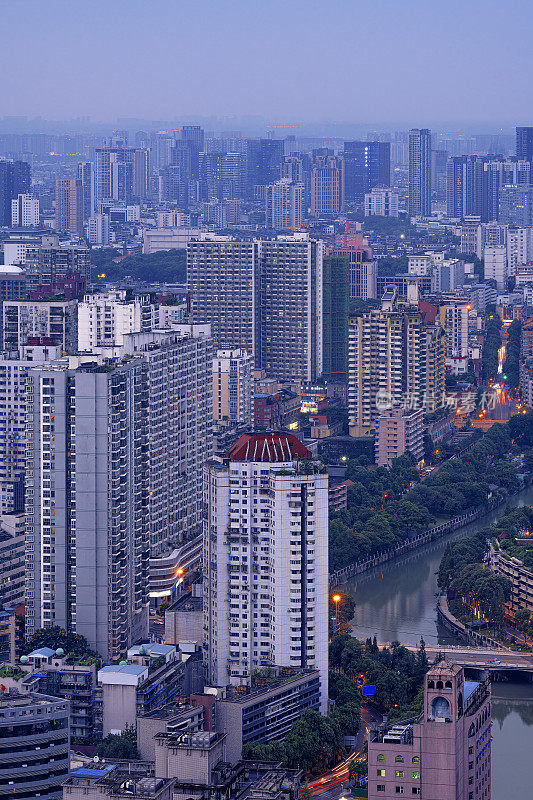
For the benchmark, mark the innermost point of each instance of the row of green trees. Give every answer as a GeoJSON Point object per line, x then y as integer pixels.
{"type": "Point", "coordinates": [512, 354]}
{"type": "Point", "coordinates": [384, 511]}
{"type": "Point", "coordinates": [491, 344]}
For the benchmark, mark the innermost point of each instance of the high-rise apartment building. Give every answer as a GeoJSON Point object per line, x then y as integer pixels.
{"type": "Point", "coordinates": [454, 322]}
{"type": "Point", "coordinates": [34, 743]}
{"type": "Point", "coordinates": [524, 144]}
{"type": "Point", "coordinates": [516, 204]}
{"type": "Point", "coordinates": [446, 752]}
{"type": "Point", "coordinates": [366, 165]}
{"type": "Point", "coordinates": [327, 185]}
{"type": "Point", "coordinates": [121, 173]}
{"type": "Point", "coordinates": [284, 204]}
{"type": "Point", "coordinates": [382, 202]}
{"type": "Point", "coordinates": [15, 179]}
{"type": "Point", "coordinates": [262, 296]}
{"type": "Point", "coordinates": [395, 358]}
{"type": "Point", "coordinates": [98, 231]}
{"type": "Point", "coordinates": [266, 560]}
{"type": "Point", "coordinates": [115, 453]}
{"type": "Point", "coordinates": [290, 306]}
{"type": "Point", "coordinates": [363, 267]}
{"type": "Point", "coordinates": [495, 265]}
{"type": "Point", "coordinates": [399, 430]}
{"type": "Point", "coordinates": [233, 387]}
{"type": "Point", "coordinates": [69, 206]}
{"type": "Point", "coordinates": [105, 318]}
{"type": "Point", "coordinates": [419, 172]}
{"type": "Point", "coordinates": [25, 211]}
{"type": "Point", "coordinates": [336, 307]}
{"type": "Point", "coordinates": [50, 260]}
{"type": "Point", "coordinates": [13, 399]}
{"type": "Point", "coordinates": [86, 174]}
{"type": "Point", "coordinates": [55, 321]}
{"type": "Point", "coordinates": [223, 283]}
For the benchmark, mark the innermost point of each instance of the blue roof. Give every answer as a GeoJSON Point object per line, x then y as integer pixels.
{"type": "Point", "coordinates": [42, 652]}
{"type": "Point", "coordinates": [129, 669]}
{"type": "Point", "coordinates": [152, 648]}
{"type": "Point", "coordinates": [470, 688]}
{"type": "Point", "coordinates": [87, 772]}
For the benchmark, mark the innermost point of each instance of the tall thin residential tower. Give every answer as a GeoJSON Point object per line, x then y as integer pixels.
{"type": "Point", "coordinates": [419, 172]}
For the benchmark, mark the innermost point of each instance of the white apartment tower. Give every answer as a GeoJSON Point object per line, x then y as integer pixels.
{"type": "Point", "coordinates": [266, 560]}
{"type": "Point", "coordinates": [284, 204]}
{"type": "Point", "coordinates": [25, 212]}
{"type": "Point", "coordinates": [105, 318]}
{"type": "Point", "coordinates": [233, 387]}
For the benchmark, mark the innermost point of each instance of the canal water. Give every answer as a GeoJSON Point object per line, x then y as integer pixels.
{"type": "Point", "coordinates": [396, 601]}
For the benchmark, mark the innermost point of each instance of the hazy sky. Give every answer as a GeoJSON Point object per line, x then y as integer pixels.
{"type": "Point", "coordinates": [287, 60]}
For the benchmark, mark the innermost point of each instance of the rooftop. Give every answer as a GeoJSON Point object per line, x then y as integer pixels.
{"type": "Point", "coordinates": [272, 448]}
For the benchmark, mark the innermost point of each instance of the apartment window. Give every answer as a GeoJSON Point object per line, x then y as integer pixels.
{"type": "Point", "coordinates": [380, 757]}
{"type": "Point", "coordinates": [399, 759]}
{"type": "Point", "coordinates": [399, 790]}
{"type": "Point", "coordinates": [381, 773]}
{"type": "Point", "coordinates": [380, 787]}
{"type": "Point", "coordinates": [399, 773]}
{"type": "Point", "coordinates": [416, 775]}
{"type": "Point", "coordinates": [415, 790]}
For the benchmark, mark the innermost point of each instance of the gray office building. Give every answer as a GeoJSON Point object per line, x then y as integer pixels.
{"type": "Point", "coordinates": [114, 476]}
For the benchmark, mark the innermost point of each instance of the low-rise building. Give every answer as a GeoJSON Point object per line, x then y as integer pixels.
{"type": "Point", "coordinates": [109, 781]}
{"type": "Point", "coordinates": [399, 430]}
{"type": "Point", "coordinates": [74, 680]}
{"type": "Point", "coordinates": [184, 620]}
{"type": "Point", "coordinates": [264, 711]}
{"type": "Point", "coordinates": [275, 411]}
{"type": "Point", "coordinates": [174, 719]}
{"type": "Point", "coordinates": [154, 677]}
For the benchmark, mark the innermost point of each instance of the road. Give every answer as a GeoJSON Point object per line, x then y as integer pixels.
{"type": "Point", "coordinates": [332, 785]}
{"type": "Point", "coordinates": [479, 656]}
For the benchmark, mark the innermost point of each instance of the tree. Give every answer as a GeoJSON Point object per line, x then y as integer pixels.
{"type": "Point", "coordinates": [119, 745]}
{"type": "Point", "coordinates": [71, 643]}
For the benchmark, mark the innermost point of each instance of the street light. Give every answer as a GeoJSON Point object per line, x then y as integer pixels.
{"type": "Point", "coordinates": [336, 599]}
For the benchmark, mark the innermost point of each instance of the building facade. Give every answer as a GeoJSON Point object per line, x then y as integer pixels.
{"type": "Point", "coordinates": [233, 387]}
{"type": "Point", "coordinates": [265, 559]}
{"type": "Point", "coordinates": [446, 752]}
{"type": "Point", "coordinates": [419, 172]}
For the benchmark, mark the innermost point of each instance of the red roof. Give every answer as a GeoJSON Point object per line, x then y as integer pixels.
{"type": "Point", "coordinates": [429, 311]}
{"type": "Point", "coordinates": [269, 447]}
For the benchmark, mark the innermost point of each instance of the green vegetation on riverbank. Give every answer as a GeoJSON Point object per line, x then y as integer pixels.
{"type": "Point", "coordinates": [475, 591]}
{"type": "Point", "coordinates": [383, 511]}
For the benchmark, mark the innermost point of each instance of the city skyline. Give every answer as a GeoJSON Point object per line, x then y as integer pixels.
{"type": "Point", "coordinates": [386, 61]}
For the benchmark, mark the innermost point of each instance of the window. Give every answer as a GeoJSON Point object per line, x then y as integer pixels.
{"type": "Point", "coordinates": [380, 757]}
{"type": "Point", "coordinates": [416, 760]}
{"type": "Point", "coordinates": [399, 790]}
{"type": "Point", "coordinates": [416, 775]}
{"type": "Point", "coordinates": [380, 787]}
{"type": "Point", "coordinates": [415, 790]}
{"type": "Point", "coordinates": [381, 773]}
{"type": "Point", "coordinates": [399, 773]}
{"type": "Point", "coordinates": [399, 760]}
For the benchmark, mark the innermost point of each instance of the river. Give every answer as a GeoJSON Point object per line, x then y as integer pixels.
{"type": "Point", "coordinates": [396, 601]}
